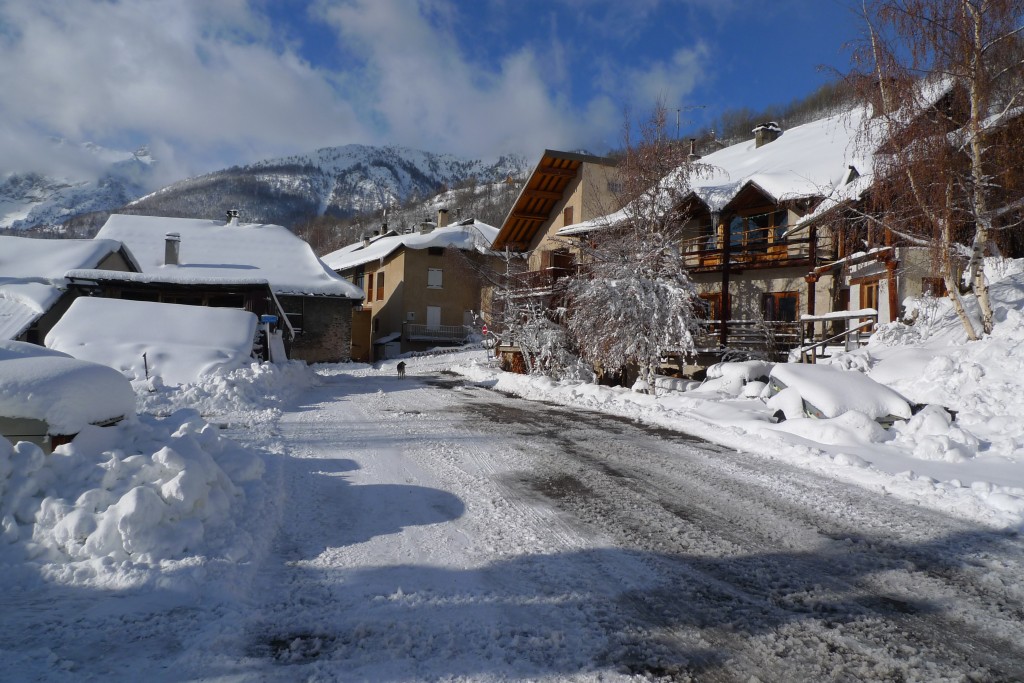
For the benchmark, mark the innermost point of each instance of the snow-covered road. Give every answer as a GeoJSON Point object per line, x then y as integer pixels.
{"type": "Point", "coordinates": [437, 530]}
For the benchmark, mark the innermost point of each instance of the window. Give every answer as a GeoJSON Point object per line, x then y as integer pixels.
{"type": "Point", "coordinates": [369, 287]}
{"type": "Point", "coordinates": [380, 286]}
{"type": "Point", "coordinates": [781, 306]}
{"type": "Point", "coordinates": [357, 279]}
{"type": "Point", "coordinates": [755, 231]}
{"type": "Point", "coordinates": [227, 301]}
{"type": "Point", "coordinates": [567, 216]}
{"type": "Point", "coordinates": [294, 308]}
{"type": "Point", "coordinates": [435, 251]}
{"type": "Point", "coordinates": [713, 308]}
{"type": "Point", "coordinates": [869, 294]}
{"type": "Point", "coordinates": [434, 278]}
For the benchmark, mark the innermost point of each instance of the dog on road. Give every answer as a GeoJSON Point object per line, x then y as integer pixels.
{"type": "Point", "coordinates": [401, 369]}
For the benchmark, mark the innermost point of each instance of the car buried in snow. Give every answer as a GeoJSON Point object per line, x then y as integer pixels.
{"type": "Point", "coordinates": [823, 391]}
{"type": "Point", "coordinates": [47, 397]}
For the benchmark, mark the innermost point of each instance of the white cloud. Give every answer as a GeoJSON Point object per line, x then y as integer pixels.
{"type": "Point", "coordinates": [199, 75]}
{"type": "Point", "coordinates": [671, 81]}
{"type": "Point", "coordinates": [420, 83]}
{"type": "Point", "coordinates": [207, 84]}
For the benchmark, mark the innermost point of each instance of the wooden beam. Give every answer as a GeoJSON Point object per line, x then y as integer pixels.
{"type": "Point", "coordinates": [559, 172]}
{"type": "Point", "coordinates": [530, 216]}
{"type": "Point", "coordinates": [542, 194]}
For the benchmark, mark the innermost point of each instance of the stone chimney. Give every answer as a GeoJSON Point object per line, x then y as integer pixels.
{"type": "Point", "coordinates": [232, 217]}
{"type": "Point", "coordinates": [172, 248]}
{"type": "Point", "coordinates": [426, 227]}
{"type": "Point", "coordinates": [766, 132]}
{"type": "Point", "coordinates": [442, 218]}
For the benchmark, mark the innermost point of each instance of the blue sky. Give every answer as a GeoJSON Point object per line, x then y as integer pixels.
{"type": "Point", "coordinates": [211, 83]}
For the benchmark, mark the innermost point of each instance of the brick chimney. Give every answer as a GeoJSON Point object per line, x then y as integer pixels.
{"type": "Point", "coordinates": [766, 132]}
{"type": "Point", "coordinates": [172, 248]}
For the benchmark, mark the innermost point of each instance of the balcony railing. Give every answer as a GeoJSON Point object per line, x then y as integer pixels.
{"type": "Point", "coordinates": [753, 248]}
{"type": "Point", "coordinates": [770, 338]}
{"type": "Point", "coordinates": [437, 333]}
{"type": "Point", "coordinates": [542, 279]}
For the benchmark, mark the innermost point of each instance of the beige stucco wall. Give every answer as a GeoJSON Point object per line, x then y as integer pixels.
{"type": "Point", "coordinates": [456, 294]}
{"type": "Point", "coordinates": [406, 291]}
{"type": "Point", "coordinates": [591, 195]}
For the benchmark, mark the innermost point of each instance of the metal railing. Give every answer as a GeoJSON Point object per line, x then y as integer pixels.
{"type": "Point", "coordinates": [859, 325]}
{"type": "Point", "coordinates": [440, 333]}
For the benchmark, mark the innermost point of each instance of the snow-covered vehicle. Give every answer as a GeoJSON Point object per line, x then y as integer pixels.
{"type": "Point", "coordinates": [734, 378]}
{"type": "Point", "coordinates": [823, 391]}
{"type": "Point", "coordinates": [47, 397]}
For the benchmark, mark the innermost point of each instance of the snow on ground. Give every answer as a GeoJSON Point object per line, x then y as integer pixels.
{"type": "Point", "coordinates": [139, 502]}
{"type": "Point", "coordinates": [972, 466]}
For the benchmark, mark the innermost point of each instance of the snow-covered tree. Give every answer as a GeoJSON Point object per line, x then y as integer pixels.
{"type": "Point", "coordinates": [632, 302]}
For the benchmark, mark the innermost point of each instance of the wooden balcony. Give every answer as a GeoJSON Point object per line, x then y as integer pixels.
{"type": "Point", "coordinates": [541, 281]}
{"type": "Point", "coordinates": [770, 339]}
{"type": "Point", "coordinates": [747, 250]}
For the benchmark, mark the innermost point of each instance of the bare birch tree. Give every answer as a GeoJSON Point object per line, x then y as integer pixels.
{"type": "Point", "coordinates": [949, 79]}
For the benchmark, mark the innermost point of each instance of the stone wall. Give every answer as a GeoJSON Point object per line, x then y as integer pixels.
{"type": "Point", "coordinates": [326, 335]}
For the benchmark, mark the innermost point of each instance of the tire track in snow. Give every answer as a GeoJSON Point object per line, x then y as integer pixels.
{"type": "Point", "coordinates": [766, 537]}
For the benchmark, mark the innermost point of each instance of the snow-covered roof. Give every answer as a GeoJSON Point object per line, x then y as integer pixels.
{"type": "Point", "coordinates": [215, 249]}
{"type": "Point", "coordinates": [32, 275]}
{"type": "Point", "coordinates": [468, 234]}
{"type": "Point", "coordinates": [64, 392]}
{"type": "Point", "coordinates": [184, 278]}
{"type": "Point", "coordinates": [812, 160]}
{"type": "Point", "coordinates": [181, 343]}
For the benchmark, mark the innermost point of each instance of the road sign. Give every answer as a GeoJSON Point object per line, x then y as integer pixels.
{"type": "Point", "coordinates": [484, 329]}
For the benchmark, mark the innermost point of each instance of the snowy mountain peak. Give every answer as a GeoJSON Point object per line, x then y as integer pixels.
{"type": "Point", "coordinates": [335, 181]}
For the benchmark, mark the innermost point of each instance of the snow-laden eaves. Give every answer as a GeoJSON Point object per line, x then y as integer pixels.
{"type": "Point", "coordinates": [808, 161]}
{"type": "Point", "coordinates": [467, 235]}
{"type": "Point", "coordinates": [168, 277]}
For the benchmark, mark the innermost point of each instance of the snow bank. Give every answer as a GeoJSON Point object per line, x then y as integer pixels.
{"type": "Point", "coordinates": [64, 392]}
{"type": "Point", "coordinates": [119, 505]}
{"type": "Point", "coordinates": [731, 378]}
{"type": "Point", "coordinates": [247, 395]}
{"type": "Point", "coordinates": [141, 338]}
